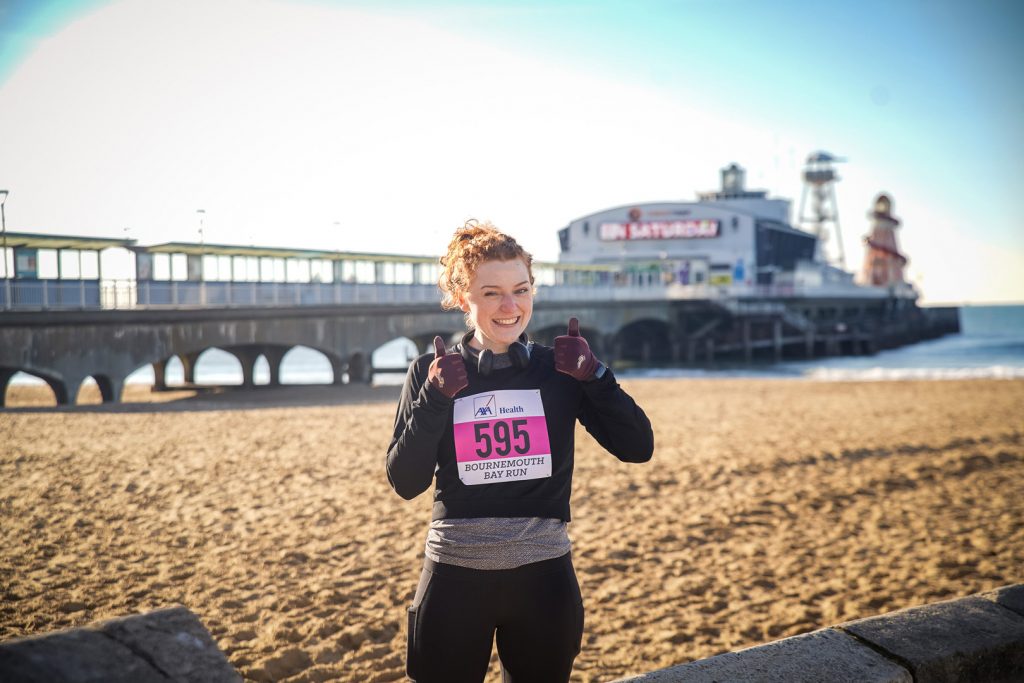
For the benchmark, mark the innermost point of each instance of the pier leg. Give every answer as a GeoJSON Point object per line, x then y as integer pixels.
{"type": "Point", "coordinates": [645, 352]}
{"type": "Point", "coordinates": [691, 351]}
{"type": "Point", "coordinates": [247, 356]}
{"type": "Point", "coordinates": [809, 344]}
{"type": "Point", "coordinates": [777, 339]}
{"type": "Point", "coordinates": [110, 388]}
{"type": "Point", "coordinates": [160, 375]}
{"type": "Point", "coordinates": [748, 350]}
{"type": "Point", "coordinates": [359, 369]}
{"type": "Point", "coordinates": [274, 356]}
{"type": "Point", "coordinates": [188, 365]}
{"type": "Point", "coordinates": [709, 349]}
{"type": "Point", "coordinates": [338, 369]}
{"type": "Point", "coordinates": [62, 391]}
{"type": "Point", "coordinates": [5, 377]}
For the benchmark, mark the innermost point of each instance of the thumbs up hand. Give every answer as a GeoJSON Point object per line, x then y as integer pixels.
{"type": "Point", "coordinates": [447, 371]}
{"type": "Point", "coordinates": [573, 355]}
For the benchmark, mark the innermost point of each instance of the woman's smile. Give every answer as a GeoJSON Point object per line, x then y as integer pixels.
{"type": "Point", "coordinates": [498, 303]}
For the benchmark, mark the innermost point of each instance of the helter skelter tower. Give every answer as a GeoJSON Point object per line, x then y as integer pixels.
{"type": "Point", "coordinates": [883, 261]}
{"type": "Point", "coordinates": [823, 219]}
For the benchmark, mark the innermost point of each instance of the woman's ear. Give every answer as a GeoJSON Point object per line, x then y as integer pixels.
{"type": "Point", "coordinates": [460, 299]}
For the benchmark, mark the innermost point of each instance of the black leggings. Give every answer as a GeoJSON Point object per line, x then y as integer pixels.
{"type": "Point", "coordinates": [536, 610]}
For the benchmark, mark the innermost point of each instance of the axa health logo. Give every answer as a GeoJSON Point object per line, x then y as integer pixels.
{"type": "Point", "coordinates": [483, 406]}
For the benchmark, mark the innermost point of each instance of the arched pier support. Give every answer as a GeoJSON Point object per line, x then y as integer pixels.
{"type": "Point", "coordinates": [110, 387]}
{"type": "Point", "coordinates": [188, 365]}
{"type": "Point", "coordinates": [160, 374]}
{"type": "Point", "coordinates": [274, 356]}
{"type": "Point", "coordinates": [360, 368]}
{"type": "Point", "coordinates": [5, 378]}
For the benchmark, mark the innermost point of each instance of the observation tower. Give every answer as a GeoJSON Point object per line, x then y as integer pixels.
{"type": "Point", "coordinates": [823, 219]}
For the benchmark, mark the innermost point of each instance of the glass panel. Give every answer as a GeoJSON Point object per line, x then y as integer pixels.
{"type": "Point", "coordinates": [179, 267]}
{"type": "Point", "coordinates": [210, 267]}
{"type": "Point", "coordinates": [321, 271]}
{"type": "Point", "coordinates": [90, 265]}
{"type": "Point", "coordinates": [364, 272]}
{"type": "Point", "coordinates": [47, 264]}
{"type": "Point", "coordinates": [403, 273]}
{"type": "Point", "coordinates": [224, 268]}
{"type": "Point", "coordinates": [292, 272]}
{"type": "Point", "coordinates": [161, 266]}
{"type": "Point", "coordinates": [69, 266]}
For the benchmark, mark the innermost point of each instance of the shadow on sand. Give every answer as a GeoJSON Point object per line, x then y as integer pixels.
{"type": "Point", "coordinates": [235, 398]}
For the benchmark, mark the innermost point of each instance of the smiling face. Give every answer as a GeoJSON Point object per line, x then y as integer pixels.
{"type": "Point", "coordinates": [499, 303]}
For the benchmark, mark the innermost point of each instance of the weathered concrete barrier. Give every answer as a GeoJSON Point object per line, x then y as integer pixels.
{"type": "Point", "coordinates": [164, 645]}
{"type": "Point", "coordinates": [975, 639]}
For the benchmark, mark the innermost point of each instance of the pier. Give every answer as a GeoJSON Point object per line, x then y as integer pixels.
{"type": "Point", "coordinates": [261, 302]}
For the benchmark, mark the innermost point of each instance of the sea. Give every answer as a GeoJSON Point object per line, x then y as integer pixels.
{"type": "Point", "coordinates": [990, 345]}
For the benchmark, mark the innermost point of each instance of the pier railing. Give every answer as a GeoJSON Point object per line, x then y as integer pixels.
{"type": "Point", "coordinates": [139, 294]}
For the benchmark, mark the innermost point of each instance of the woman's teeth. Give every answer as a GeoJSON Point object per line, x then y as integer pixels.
{"type": "Point", "coordinates": [506, 321]}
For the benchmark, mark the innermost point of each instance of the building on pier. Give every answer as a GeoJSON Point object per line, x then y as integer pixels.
{"type": "Point", "coordinates": [54, 271]}
{"type": "Point", "coordinates": [745, 282]}
{"type": "Point", "coordinates": [731, 242]}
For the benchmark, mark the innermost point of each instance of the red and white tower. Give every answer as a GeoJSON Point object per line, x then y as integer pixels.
{"type": "Point", "coordinates": [883, 262]}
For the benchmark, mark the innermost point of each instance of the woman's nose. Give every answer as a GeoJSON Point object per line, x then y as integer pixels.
{"type": "Point", "coordinates": [508, 302]}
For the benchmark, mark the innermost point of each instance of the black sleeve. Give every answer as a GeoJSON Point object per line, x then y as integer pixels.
{"type": "Point", "coordinates": [612, 417]}
{"type": "Point", "coordinates": [419, 424]}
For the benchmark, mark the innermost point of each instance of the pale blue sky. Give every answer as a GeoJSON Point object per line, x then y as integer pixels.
{"type": "Point", "coordinates": [399, 119]}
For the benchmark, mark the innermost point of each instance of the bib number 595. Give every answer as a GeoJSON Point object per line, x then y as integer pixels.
{"type": "Point", "coordinates": [500, 438]}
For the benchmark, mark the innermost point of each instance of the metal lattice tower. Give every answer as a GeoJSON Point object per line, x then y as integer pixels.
{"type": "Point", "coordinates": [819, 181]}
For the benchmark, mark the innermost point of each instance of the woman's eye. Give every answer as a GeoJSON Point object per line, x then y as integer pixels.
{"type": "Point", "coordinates": [522, 291]}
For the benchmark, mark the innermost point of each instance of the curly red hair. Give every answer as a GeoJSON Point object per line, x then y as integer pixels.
{"type": "Point", "coordinates": [475, 243]}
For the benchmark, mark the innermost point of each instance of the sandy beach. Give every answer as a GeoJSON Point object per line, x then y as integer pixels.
{"type": "Point", "coordinates": [771, 508]}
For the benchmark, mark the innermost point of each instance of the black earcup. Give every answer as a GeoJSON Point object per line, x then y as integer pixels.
{"type": "Point", "coordinates": [518, 353]}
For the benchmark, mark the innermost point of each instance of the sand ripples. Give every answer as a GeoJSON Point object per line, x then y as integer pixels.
{"type": "Point", "coordinates": [770, 509]}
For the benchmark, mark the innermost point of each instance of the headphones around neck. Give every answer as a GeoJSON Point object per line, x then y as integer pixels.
{"type": "Point", "coordinates": [483, 360]}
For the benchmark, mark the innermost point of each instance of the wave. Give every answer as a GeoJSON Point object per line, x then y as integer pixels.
{"type": "Point", "coordinates": [878, 374]}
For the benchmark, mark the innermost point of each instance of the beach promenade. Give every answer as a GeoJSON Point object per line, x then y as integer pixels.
{"type": "Point", "coordinates": [771, 508]}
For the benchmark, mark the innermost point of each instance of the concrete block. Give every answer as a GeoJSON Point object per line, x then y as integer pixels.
{"type": "Point", "coordinates": [1010, 597]}
{"type": "Point", "coordinates": [825, 655]}
{"type": "Point", "coordinates": [960, 641]}
{"type": "Point", "coordinates": [164, 645]}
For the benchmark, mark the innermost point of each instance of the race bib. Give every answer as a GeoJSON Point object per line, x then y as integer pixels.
{"type": "Point", "coordinates": [501, 436]}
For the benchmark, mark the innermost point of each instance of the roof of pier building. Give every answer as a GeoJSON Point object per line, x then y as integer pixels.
{"type": "Point", "coordinates": [206, 249]}
{"type": "Point", "coordinates": [38, 240]}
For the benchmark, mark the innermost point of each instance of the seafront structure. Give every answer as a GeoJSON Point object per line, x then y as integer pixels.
{"type": "Point", "coordinates": [725, 278]}
{"type": "Point", "coordinates": [883, 261]}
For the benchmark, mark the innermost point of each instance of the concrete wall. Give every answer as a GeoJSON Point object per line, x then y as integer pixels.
{"type": "Point", "coordinates": [978, 639]}
{"type": "Point", "coordinates": [164, 645]}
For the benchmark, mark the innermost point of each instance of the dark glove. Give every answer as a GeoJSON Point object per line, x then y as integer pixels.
{"type": "Point", "coordinates": [573, 355]}
{"type": "Point", "coordinates": [447, 371]}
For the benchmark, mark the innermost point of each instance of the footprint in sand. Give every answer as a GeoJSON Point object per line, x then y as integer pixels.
{"type": "Point", "coordinates": [288, 663]}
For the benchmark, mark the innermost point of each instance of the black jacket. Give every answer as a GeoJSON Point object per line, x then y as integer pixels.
{"type": "Point", "coordinates": [424, 441]}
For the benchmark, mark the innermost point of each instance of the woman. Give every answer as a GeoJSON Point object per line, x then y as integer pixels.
{"type": "Point", "coordinates": [493, 422]}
